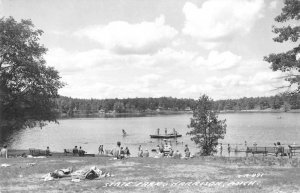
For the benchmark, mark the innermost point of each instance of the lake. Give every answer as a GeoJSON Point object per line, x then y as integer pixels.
{"type": "Point", "coordinates": [261, 128]}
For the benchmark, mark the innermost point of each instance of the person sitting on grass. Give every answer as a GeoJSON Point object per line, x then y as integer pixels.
{"type": "Point", "coordinates": [187, 154]}
{"type": "Point", "coordinates": [122, 153]}
{"type": "Point", "coordinates": [75, 151]}
{"type": "Point", "coordinates": [3, 152]}
{"type": "Point", "coordinates": [81, 152]}
{"type": "Point", "coordinates": [177, 155]}
{"type": "Point", "coordinates": [127, 152]}
{"type": "Point", "coordinates": [171, 152]}
{"type": "Point", "coordinates": [48, 153]}
{"type": "Point", "coordinates": [146, 153]}
{"type": "Point", "coordinates": [159, 155]}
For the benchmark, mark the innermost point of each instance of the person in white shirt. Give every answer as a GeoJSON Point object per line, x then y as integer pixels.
{"type": "Point", "coordinates": [3, 152]}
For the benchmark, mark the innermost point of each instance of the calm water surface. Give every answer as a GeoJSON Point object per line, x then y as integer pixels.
{"type": "Point", "coordinates": [262, 128]}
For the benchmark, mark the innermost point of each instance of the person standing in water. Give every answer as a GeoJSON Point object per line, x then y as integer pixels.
{"type": "Point", "coordinates": [229, 149]}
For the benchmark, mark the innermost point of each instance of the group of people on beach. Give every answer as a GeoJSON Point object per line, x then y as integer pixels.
{"type": "Point", "coordinates": [118, 152]}
{"type": "Point", "coordinates": [221, 149]}
{"type": "Point", "coordinates": [142, 153]}
{"type": "Point", "coordinates": [165, 150]}
{"type": "Point", "coordinates": [278, 149]}
{"type": "Point", "coordinates": [78, 152]}
{"type": "Point", "coordinates": [236, 149]}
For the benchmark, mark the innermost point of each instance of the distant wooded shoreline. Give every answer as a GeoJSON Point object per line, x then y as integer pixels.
{"type": "Point", "coordinates": [73, 107]}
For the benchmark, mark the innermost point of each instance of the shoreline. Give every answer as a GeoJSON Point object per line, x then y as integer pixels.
{"type": "Point", "coordinates": [262, 111]}
{"type": "Point", "coordinates": [144, 114]}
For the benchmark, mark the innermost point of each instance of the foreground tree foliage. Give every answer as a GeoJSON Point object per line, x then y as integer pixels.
{"type": "Point", "coordinates": [289, 61]}
{"type": "Point", "coordinates": [27, 86]}
{"type": "Point", "coordinates": [206, 128]}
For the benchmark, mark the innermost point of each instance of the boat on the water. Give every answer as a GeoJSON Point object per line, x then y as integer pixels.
{"type": "Point", "coordinates": [168, 136]}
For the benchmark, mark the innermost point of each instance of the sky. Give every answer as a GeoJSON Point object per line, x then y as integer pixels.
{"type": "Point", "coordinates": [142, 48]}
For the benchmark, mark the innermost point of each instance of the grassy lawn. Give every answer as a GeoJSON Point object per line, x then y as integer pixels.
{"type": "Point", "coordinates": [204, 174]}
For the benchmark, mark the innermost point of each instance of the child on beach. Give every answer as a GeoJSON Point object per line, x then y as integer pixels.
{"type": "Point", "coordinates": [127, 152]}
{"type": "Point", "coordinates": [146, 153]}
{"type": "Point", "coordinates": [140, 153]}
{"type": "Point", "coordinates": [187, 154]}
{"type": "Point", "coordinates": [186, 148]}
{"type": "Point", "coordinates": [229, 149]}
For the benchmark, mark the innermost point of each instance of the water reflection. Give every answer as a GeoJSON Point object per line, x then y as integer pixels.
{"type": "Point", "coordinates": [122, 115]}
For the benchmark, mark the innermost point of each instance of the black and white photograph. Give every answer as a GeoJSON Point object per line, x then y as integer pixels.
{"type": "Point", "coordinates": [150, 96]}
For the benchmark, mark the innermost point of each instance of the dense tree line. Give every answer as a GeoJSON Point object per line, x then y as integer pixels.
{"type": "Point", "coordinates": [130, 105]}
{"type": "Point", "coordinates": [71, 106]}
{"type": "Point", "coordinates": [286, 101]}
